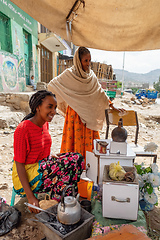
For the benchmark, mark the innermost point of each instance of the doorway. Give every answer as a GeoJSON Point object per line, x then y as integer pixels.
{"type": "Point", "coordinates": [46, 65]}
{"type": "Point", "coordinates": [27, 55]}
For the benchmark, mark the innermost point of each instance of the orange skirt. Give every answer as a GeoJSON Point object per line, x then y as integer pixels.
{"type": "Point", "coordinates": [76, 136]}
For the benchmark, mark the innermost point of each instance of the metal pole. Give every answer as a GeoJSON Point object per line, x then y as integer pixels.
{"type": "Point", "coordinates": [123, 71]}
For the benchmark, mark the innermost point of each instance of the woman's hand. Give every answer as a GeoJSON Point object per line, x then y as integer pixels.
{"type": "Point", "coordinates": [34, 201]}
{"type": "Point", "coordinates": [53, 155]}
{"type": "Point", "coordinates": [121, 110]}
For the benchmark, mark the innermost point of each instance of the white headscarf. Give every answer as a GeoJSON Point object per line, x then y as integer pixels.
{"type": "Point", "coordinates": [82, 92]}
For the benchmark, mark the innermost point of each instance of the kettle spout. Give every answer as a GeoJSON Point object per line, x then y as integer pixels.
{"type": "Point", "coordinates": [77, 198]}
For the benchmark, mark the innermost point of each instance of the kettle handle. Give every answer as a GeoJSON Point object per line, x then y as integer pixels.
{"type": "Point", "coordinates": [64, 192]}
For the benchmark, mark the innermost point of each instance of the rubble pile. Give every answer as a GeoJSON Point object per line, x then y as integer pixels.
{"type": "Point", "coordinates": [131, 99]}
{"type": "Point", "coordinates": [142, 101]}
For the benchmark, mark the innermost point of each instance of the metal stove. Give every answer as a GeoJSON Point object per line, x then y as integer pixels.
{"type": "Point", "coordinates": [96, 161]}
{"type": "Point", "coordinates": [80, 231]}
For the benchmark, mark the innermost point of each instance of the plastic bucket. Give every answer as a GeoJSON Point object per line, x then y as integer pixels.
{"type": "Point", "coordinates": [85, 188]}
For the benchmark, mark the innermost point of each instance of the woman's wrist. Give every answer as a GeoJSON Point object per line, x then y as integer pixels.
{"type": "Point", "coordinates": [29, 194]}
{"type": "Point", "coordinates": [111, 105]}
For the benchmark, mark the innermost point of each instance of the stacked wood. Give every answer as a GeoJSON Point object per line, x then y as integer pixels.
{"type": "Point", "coordinates": [112, 85]}
{"type": "Point", "coordinates": [102, 71]}
{"type": "Point", "coordinates": [64, 64]}
{"type": "Point", "coordinates": [95, 66]}
{"type": "Point", "coordinates": [109, 84]}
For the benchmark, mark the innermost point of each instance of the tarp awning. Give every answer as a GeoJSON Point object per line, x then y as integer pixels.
{"type": "Point", "coordinates": [113, 25]}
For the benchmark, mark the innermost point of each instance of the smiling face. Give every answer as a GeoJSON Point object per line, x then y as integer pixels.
{"type": "Point", "coordinates": [86, 61]}
{"type": "Point", "coordinates": [46, 111]}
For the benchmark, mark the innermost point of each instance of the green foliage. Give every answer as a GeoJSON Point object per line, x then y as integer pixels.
{"type": "Point", "coordinates": [134, 90]}
{"type": "Point", "coordinates": [142, 170]}
{"type": "Point", "coordinates": [119, 84]}
{"type": "Point", "coordinates": [148, 188]}
{"type": "Point", "coordinates": [139, 169]}
{"type": "Point", "coordinates": [146, 185]}
{"type": "Point", "coordinates": [148, 170]}
{"type": "Point", "coordinates": [157, 85]}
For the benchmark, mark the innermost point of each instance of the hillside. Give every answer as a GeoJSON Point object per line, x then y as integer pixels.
{"type": "Point", "coordinates": [149, 77]}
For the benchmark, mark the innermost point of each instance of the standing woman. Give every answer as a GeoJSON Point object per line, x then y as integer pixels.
{"type": "Point", "coordinates": [82, 101]}
{"type": "Point", "coordinates": [34, 170]}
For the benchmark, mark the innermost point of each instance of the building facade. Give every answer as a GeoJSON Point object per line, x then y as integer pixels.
{"type": "Point", "coordinates": [18, 48]}
{"type": "Point", "coordinates": [49, 45]}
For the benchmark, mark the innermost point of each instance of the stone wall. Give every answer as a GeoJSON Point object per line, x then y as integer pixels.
{"type": "Point", "coordinates": [16, 101]}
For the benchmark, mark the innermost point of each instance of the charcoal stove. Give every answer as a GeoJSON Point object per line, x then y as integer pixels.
{"type": "Point", "coordinates": [59, 231]}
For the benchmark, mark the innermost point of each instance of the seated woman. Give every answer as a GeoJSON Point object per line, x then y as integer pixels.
{"type": "Point", "coordinates": [34, 170]}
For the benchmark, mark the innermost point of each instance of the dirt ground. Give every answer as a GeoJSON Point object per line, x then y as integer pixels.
{"type": "Point", "coordinates": [149, 121]}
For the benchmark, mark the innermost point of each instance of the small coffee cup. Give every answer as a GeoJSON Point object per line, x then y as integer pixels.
{"type": "Point", "coordinates": [86, 204]}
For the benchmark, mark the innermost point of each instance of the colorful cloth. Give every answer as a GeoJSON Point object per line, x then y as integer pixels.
{"type": "Point", "coordinates": [98, 229]}
{"type": "Point", "coordinates": [76, 136]}
{"type": "Point", "coordinates": [34, 178]}
{"type": "Point", "coordinates": [52, 174]}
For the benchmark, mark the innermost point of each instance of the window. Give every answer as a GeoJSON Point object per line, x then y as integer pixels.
{"type": "Point", "coordinates": [5, 33]}
{"type": "Point", "coordinates": [45, 30]}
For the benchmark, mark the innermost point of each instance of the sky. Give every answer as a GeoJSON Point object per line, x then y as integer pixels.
{"type": "Point", "coordinates": [137, 62]}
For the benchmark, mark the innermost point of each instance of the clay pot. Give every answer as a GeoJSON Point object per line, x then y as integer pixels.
{"type": "Point", "coordinates": [119, 134]}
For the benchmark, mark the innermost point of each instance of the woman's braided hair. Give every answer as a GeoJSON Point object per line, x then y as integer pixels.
{"type": "Point", "coordinates": [36, 100]}
{"type": "Point", "coordinates": [82, 51]}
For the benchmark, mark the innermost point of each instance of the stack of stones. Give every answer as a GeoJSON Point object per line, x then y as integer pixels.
{"type": "Point", "coordinates": [41, 86]}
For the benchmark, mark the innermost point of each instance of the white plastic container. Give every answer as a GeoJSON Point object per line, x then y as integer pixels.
{"type": "Point", "coordinates": [120, 199]}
